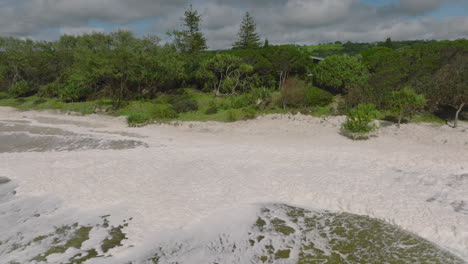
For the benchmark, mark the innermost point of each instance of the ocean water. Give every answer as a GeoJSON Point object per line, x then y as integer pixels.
{"type": "Point", "coordinates": [45, 228]}
{"type": "Point", "coordinates": [41, 230]}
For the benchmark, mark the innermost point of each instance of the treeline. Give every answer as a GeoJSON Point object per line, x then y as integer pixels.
{"type": "Point", "coordinates": [123, 67]}
{"type": "Point", "coordinates": [356, 48]}
{"type": "Point", "coordinates": [437, 70]}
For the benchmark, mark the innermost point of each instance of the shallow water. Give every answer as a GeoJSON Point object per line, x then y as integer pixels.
{"type": "Point", "coordinates": [23, 137]}
{"type": "Point", "coordinates": [40, 230]}
{"type": "Point", "coordinates": [110, 194]}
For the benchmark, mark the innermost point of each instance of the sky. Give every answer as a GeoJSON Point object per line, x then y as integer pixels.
{"type": "Point", "coordinates": [302, 22]}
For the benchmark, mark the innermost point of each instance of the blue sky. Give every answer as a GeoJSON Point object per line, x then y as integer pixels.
{"type": "Point", "coordinates": [281, 21]}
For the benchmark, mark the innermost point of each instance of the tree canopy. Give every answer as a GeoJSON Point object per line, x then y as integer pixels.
{"type": "Point", "coordinates": [248, 37]}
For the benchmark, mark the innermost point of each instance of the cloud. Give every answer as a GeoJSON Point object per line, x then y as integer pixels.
{"type": "Point", "coordinates": [77, 31]}
{"type": "Point", "coordinates": [418, 6]}
{"type": "Point", "coordinates": [281, 21]}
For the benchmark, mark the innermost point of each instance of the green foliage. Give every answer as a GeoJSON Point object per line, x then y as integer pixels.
{"type": "Point", "coordinates": [339, 73]}
{"type": "Point", "coordinates": [74, 91]}
{"type": "Point", "coordinates": [249, 113]}
{"type": "Point", "coordinates": [20, 89]}
{"type": "Point", "coordinates": [184, 105]}
{"type": "Point", "coordinates": [318, 97]}
{"type": "Point", "coordinates": [190, 39]}
{"type": "Point", "coordinates": [50, 90]}
{"type": "Point", "coordinates": [359, 121]}
{"type": "Point", "coordinates": [294, 93]}
{"type": "Point", "coordinates": [232, 116]}
{"type": "Point", "coordinates": [212, 108]}
{"type": "Point", "coordinates": [427, 118]}
{"type": "Point", "coordinates": [225, 73]}
{"type": "Point", "coordinates": [405, 103]}
{"type": "Point", "coordinates": [138, 112]}
{"type": "Point", "coordinates": [248, 37]}
{"type": "Point", "coordinates": [138, 118]}
{"type": "Point", "coordinates": [241, 101]}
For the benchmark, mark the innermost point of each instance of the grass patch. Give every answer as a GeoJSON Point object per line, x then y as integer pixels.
{"type": "Point", "coordinates": [166, 107]}
{"type": "Point", "coordinates": [427, 118]}
{"type": "Point", "coordinates": [144, 112]}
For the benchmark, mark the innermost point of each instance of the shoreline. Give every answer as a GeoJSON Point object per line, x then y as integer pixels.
{"type": "Point", "coordinates": [408, 177]}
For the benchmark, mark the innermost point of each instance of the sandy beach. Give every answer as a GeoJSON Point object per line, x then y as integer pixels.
{"type": "Point", "coordinates": [175, 176]}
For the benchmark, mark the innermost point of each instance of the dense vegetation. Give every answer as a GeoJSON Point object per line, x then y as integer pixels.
{"type": "Point", "coordinates": [142, 78]}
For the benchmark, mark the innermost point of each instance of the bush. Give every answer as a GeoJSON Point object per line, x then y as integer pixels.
{"type": "Point", "coordinates": [212, 108]}
{"type": "Point", "coordinates": [73, 92]}
{"type": "Point", "coordinates": [4, 95]}
{"type": "Point", "coordinates": [231, 116]}
{"type": "Point", "coordinates": [276, 100]}
{"type": "Point", "coordinates": [185, 105]}
{"type": "Point", "coordinates": [261, 94]}
{"type": "Point", "coordinates": [249, 113]}
{"type": "Point", "coordinates": [241, 101]}
{"type": "Point", "coordinates": [39, 101]}
{"type": "Point", "coordinates": [318, 97]}
{"type": "Point", "coordinates": [50, 90]}
{"type": "Point", "coordinates": [137, 118]}
{"type": "Point", "coordinates": [163, 112]}
{"type": "Point", "coordinates": [359, 122]}
{"type": "Point", "coordinates": [405, 103]}
{"type": "Point", "coordinates": [294, 93]}
{"type": "Point", "coordinates": [21, 89]}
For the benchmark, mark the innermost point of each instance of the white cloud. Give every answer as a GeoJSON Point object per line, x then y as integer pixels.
{"type": "Point", "coordinates": [77, 31]}
{"type": "Point", "coordinates": [281, 21]}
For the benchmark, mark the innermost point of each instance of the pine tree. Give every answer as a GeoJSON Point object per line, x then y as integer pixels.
{"type": "Point", "coordinates": [266, 44]}
{"type": "Point", "coordinates": [190, 39]}
{"type": "Point", "coordinates": [248, 37]}
{"type": "Point", "coordinates": [388, 43]}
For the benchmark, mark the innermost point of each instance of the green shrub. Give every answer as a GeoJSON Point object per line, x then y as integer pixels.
{"type": "Point", "coordinates": [427, 118]}
{"type": "Point", "coordinates": [136, 118]}
{"type": "Point", "coordinates": [186, 105]}
{"type": "Point", "coordinates": [359, 122]}
{"type": "Point", "coordinates": [249, 113]}
{"type": "Point", "coordinates": [212, 108]}
{"type": "Point", "coordinates": [20, 100]}
{"type": "Point", "coordinates": [39, 101]}
{"type": "Point", "coordinates": [231, 116]}
{"type": "Point", "coordinates": [405, 103]}
{"type": "Point", "coordinates": [73, 92]}
{"type": "Point", "coordinates": [276, 100]}
{"type": "Point", "coordinates": [4, 95]}
{"type": "Point", "coordinates": [262, 93]}
{"type": "Point", "coordinates": [21, 89]}
{"type": "Point", "coordinates": [163, 112]}
{"type": "Point", "coordinates": [318, 97]}
{"type": "Point", "coordinates": [294, 93]}
{"type": "Point", "coordinates": [50, 90]}
{"type": "Point", "coordinates": [242, 101]}
{"type": "Point", "coordinates": [224, 105]}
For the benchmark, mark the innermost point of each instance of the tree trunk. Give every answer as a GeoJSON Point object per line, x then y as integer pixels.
{"type": "Point", "coordinates": [399, 121]}
{"type": "Point", "coordinates": [455, 123]}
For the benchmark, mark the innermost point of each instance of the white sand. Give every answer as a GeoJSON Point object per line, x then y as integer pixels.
{"type": "Point", "coordinates": [415, 177]}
